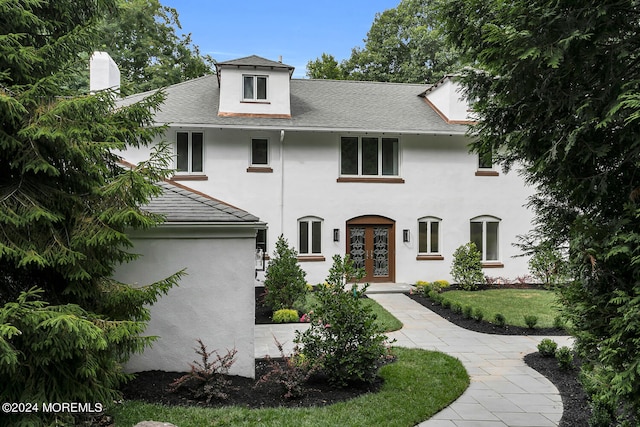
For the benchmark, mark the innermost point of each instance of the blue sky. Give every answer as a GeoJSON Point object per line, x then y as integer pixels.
{"type": "Point", "coordinates": [297, 31]}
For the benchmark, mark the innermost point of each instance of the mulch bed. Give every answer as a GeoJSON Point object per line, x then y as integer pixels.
{"type": "Point", "coordinates": [153, 386]}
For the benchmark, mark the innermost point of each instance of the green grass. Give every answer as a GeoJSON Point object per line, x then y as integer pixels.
{"type": "Point", "coordinates": [418, 385]}
{"type": "Point", "coordinates": [387, 321]}
{"type": "Point", "coordinates": [514, 304]}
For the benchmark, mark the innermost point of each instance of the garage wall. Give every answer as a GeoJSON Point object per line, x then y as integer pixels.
{"type": "Point", "coordinates": [214, 301]}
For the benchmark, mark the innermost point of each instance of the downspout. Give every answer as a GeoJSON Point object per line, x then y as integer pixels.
{"type": "Point", "coordinates": [282, 182]}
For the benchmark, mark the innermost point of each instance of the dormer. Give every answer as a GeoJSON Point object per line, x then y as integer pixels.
{"type": "Point", "coordinates": [254, 87]}
{"type": "Point", "coordinates": [447, 98]}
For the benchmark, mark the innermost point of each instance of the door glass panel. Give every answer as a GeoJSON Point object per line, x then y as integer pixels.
{"type": "Point", "coordinates": [356, 246]}
{"type": "Point", "coordinates": [380, 252]}
{"type": "Point", "coordinates": [369, 156]}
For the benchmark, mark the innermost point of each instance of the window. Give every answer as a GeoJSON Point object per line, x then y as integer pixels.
{"type": "Point", "coordinates": [368, 156]}
{"type": "Point", "coordinates": [309, 236]}
{"type": "Point", "coordinates": [259, 151]}
{"type": "Point", "coordinates": [485, 234]}
{"type": "Point", "coordinates": [254, 88]}
{"type": "Point", "coordinates": [189, 151]}
{"type": "Point", "coordinates": [429, 235]}
{"type": "Point", "coordinates": [261, 248]}
{"type": "Point", "coordinates": [485, 160]}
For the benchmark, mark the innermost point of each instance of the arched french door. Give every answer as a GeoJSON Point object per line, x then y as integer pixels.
{"type": "Point", "coordinates": [371, 246]}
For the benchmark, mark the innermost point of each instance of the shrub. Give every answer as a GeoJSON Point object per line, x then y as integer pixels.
{"type": "Point", "coordinates": [558, 322]}
{"type": "Point", "coordinates": [440, 284]}
{"type": "Point", "coordinates": [285, 315]}
{"type": "Point", "coordinates": [547, 347]}
{"type": "Point", "coordinates": [467, 311]}
{"type": "Point", "coordinates": [548, 266]}
{"type": "Point", "coordinates": [564, 356]}
{"type": "Point", "coordinates": [208, 378]}
{"type": "Point", "coordinates": [467, 266]}
{"type": "Point", "coordinates": [342, 339]}
{"type": "Point", "coordinates": [530, 320]}
{"type": "Point", "coordinates": [292, 373]}
{"type": "Point", "coordinates": [500, 320]}
{"type": "Point", "coordinates": [446, 303]}
{"type": "Point", "coordinates": [435, 297]}
{"type": "Point", "coordinates": [456, 308]}
{"type": "Point", "coordinates": [284, 279]}
{"type": "Point", "coordinates": [478, 315]}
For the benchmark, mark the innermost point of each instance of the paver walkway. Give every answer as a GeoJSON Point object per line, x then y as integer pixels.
{"type": "Point", "coordinates": [503, 391]}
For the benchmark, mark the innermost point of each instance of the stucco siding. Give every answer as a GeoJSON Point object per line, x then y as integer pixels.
{"type": "Point", "coordinates": [214, 301]}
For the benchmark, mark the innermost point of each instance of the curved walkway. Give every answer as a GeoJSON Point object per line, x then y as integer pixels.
{"type": "Point", "coordinates": [504, 392]}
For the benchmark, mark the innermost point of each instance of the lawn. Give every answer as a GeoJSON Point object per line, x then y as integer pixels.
{"type": "Point", "coordinates": [418, 385]}
{"type": "Point", "coordinates": [384, 319]}
{"type": "Point", "coordinates": [513, 304]}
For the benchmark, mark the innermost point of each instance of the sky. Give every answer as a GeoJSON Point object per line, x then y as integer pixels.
{"type": "Point", "coordinates": [299, 31]}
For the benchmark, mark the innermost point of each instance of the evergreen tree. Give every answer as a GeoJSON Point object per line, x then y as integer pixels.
{"type": "Point", "coordinates": [557, 90]}
{"type": "Point", "coordinates": [65, 207]}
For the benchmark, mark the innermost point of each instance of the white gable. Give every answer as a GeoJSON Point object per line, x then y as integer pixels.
{"type": "Point", "coordinates": [254, 90]}
{"type": "Point", "coordinates": [447, 98]}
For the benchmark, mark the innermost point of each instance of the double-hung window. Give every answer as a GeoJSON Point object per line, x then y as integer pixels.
{"type": "Point", "coordinates": [309, 236]}
{"type": "Point", "coordinates": [485, 233]}
{"type": "Point", "coordinates": [189, 152]}
{"type": "Point", "coordinates": [254, 88]}
{"type": "Point", "coordinates": [429, 236]}
{"type": "Point", "coordinates": [368, 156]}
{"type": "Point", "coordinates": [485, 160]}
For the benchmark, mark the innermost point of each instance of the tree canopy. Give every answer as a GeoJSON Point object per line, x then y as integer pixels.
{"type": "Point", "coordinates": [140, 36]}
{"type": "Point", "coordinates": [556, 86]}
{"type": "Point", "coordinates": [404, 45]}
{"type": "Point", "coordinates": [65, 206]}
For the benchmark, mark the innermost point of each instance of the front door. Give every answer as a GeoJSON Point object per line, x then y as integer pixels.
{"type": "Point", "coordinates": [370, 243]}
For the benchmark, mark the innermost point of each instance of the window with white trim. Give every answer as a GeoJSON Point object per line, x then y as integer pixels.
{"type": "Point", "coordinates": [485, 233]}
{"type": "Point", "coordinates": [429, 235]}
{"type": "Point", "coordinates": [254, 88]}
{"type": "Point", "coordinates": [189, 152]}
{"type": "Point", "coordinates": [368, 156]}
{"type": "Point", "coordinates": [310, 235]}
{"type": "Point", "coordinates": [259, 151]}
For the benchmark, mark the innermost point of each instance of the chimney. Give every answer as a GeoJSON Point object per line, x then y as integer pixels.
{"type": "Point", "coordinates": [280, 59]}
{"type": "Point", "coordinates": [103, 73]}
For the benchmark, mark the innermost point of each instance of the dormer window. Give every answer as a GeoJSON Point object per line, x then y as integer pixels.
{"type": "Point", "coordinates": [254, 88]}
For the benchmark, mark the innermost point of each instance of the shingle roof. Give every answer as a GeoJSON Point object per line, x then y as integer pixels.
{"type": "Point", "coordinates": [341, 105]}
{"type": "Point", "coordinates": [255, 61]}
{"type": "Point", "coordinates": [182, 204]}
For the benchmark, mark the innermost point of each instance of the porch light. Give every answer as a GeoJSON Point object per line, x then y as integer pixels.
{"type": "Point", "coordinates": [405, 236]}
{"type": "Point", "coordinates": [336, 234]}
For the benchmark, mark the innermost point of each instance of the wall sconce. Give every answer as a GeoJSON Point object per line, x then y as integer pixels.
{"type": "Point", "coordinates": [336, 234]}
{"type": "Point", "coordinates": [405, 236]}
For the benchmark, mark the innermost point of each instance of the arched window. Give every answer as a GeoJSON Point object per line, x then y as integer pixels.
{"type": "Point", "coordinates": [429, 238]}
{"type": "Point", "coordinates": [310, 235]}
{"type": "Point", "coordinates": [485, 233]}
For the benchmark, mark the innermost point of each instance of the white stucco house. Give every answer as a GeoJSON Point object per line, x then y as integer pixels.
{"type": "Point", "coordinates": [380, 171]}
